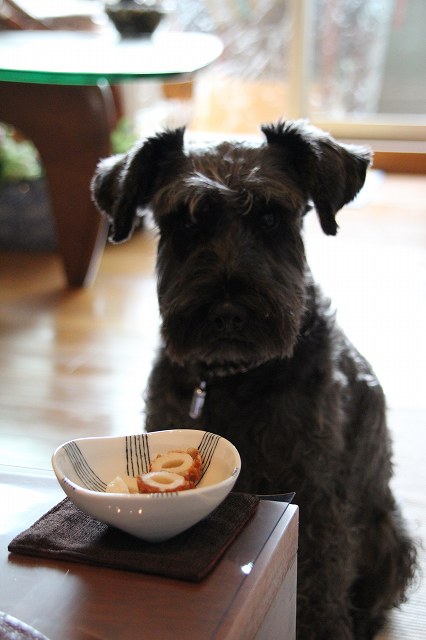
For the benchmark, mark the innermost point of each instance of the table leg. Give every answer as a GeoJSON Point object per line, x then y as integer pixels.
{"type": "Point", "coordinates": [70, 126]}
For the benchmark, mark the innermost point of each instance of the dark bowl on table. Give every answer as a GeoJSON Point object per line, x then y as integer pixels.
{"type": "Point", "coordinates": [132, 20]}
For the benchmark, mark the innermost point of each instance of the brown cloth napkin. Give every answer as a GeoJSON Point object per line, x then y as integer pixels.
{"type": "Point", "coordinates": [66, 533]}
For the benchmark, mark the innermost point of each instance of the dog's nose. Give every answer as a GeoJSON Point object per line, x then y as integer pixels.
{"type": "Point", "coordinates": [227, 317]}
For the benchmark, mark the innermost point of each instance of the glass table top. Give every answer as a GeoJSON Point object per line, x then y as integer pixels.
{"type": "Point", "coordinates": [81, 58]}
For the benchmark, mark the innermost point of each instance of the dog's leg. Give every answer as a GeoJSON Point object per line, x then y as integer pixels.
{"type": "Point", "coordinates": [388, 566]}
{"type": "Point", "coordinates": [323, 601]}
{"type": "Point", "coordinates": [386, 555]}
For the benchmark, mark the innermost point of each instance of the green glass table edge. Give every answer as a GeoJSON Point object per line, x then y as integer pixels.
{"type": "Point", "coordinates": [41, 74]}
{"type": "Point", "coordinates": [87, 79]}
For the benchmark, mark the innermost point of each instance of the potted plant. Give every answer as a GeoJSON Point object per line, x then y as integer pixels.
{"type": "Point", "coordinates": [25, 218]}
{"type": "Point", "coordinates": [26, 222]}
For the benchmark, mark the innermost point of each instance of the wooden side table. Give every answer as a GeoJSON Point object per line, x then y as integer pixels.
{"type": "Point", "coordinates": [251, 593]}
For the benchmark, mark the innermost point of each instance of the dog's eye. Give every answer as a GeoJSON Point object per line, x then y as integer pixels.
{"type": "Point", "coordinates": [189, 223]}
{"type": "Point", "coordinates": [196, 220]}
{"type": "Point", "coordinates": [269, 220]}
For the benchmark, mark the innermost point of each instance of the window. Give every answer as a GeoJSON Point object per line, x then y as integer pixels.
{"type": "Point", "coordinates": [354, 67]}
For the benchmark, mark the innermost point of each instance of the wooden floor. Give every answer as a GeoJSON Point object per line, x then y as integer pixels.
{"type": "Point", "coordinates": [75, 362]}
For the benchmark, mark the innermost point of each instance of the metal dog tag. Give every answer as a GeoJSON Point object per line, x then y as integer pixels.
{"type": "Point", "coordinates": [197, 402]}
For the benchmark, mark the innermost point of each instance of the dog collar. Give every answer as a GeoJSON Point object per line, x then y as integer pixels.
{"type": "Point", "coordinates": [200, 391]}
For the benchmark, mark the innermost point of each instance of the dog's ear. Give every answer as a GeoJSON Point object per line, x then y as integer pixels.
{"type": "Point", "coordinates": [330, 173]}
{"type": "Point", "coordinates": [124, 183]}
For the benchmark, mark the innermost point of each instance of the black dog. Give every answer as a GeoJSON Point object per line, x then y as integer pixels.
{"type": "Point", "coordinates": [244, 324]}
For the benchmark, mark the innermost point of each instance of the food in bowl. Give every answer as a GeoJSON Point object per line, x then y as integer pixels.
{"type": "Point", "coordinates": [187, 464]}
{"type": "Point", "coordinates": [171, 471]}
{"type": "Point", "coordinates": [126, 484]}
{"type": "Point", "coordinates": [84, 468]}
{"type": "Point", "coordinates": [161, 482]}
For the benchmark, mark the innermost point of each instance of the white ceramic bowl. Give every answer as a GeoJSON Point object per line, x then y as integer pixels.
{"type": "Point", "coordinates": [85, 466]}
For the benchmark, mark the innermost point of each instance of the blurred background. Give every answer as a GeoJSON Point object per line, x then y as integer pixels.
{"type": "Point", "coordinates": [354, 66]}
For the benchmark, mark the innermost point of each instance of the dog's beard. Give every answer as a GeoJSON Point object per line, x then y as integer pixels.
{"type": "Point", "coordinates": [270, 331]}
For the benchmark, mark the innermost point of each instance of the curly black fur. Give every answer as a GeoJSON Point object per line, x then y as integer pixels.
{"type": "Point", "coordinates": [240, 310]}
